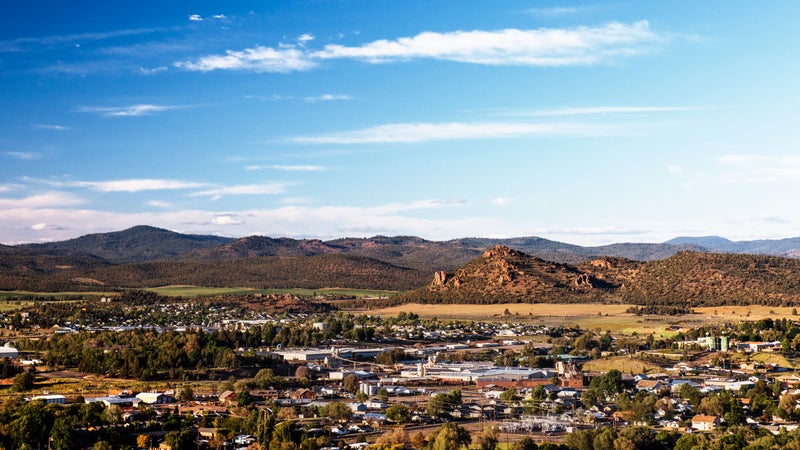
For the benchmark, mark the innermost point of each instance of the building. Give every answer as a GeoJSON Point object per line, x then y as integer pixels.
{"type": "Point", "coordinates": [702, 422]}
{"type": "Point", "coordinates": [8, 352]}
{"type": "Point", "coordinates": [155, 398]}
{"type": "Point", "coordinates": [51, 399]}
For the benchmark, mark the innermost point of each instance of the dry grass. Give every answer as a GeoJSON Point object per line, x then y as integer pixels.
{"type": "Point", "coordinates": [623, 364]}
{"type": "Point", "coordinates": [591, 316]}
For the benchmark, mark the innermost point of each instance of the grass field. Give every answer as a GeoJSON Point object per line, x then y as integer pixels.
{"type": "Point", "coordinates": [592, 316]}
{"type": "Point", "coordinates": [198, 291]}
{"type": "Point", "coordinates": [623, 364]}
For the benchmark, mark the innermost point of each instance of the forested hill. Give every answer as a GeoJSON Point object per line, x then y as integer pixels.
{"type": "Point", "coordinates": [140, 243]}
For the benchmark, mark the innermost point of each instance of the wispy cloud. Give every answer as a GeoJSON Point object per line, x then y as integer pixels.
{"type": "Point", "coordinates": [128, 111]}
{"type": "Point", "coordinates": [43, 200]}
{"type": "Point", "coordinates": [128, 185]}
{"type": "Point", "coordinates": [159, 204]}
{"type": "Point", "coordinates": [257, 59]}
{"type": "Point", "coordinates": [50, 127]}
{"type": "Point", "coordinates": [425, 132]}
{"type": "Point", "coordinates": [152, 70]}
{"type": "Point", "coordinates": [242, 189]}
{"type": "Point", "coordinates": [25, 156]}
{"type": "Point", "coordinates": [594, 110]}
{"type": "Point", "coordinates": [327, 98]}
{"type": "Point", "coordinates": [501, 201]}
{"type": "Point", "coordinates": [551, 12]}
{"type": "Point", "coordinates": [287, 168]}
{"type": "Point", "coordinates": [547, 47]}
{"type": "Point", "coordinates": [195, 18]}
{"type": "Point", "coordinates": [23, 44]}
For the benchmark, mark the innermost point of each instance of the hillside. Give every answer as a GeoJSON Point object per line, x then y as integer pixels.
{"type": "Point", "coordinates": [710, 279]}
{"type": "Point", "coordinates": [502, 274]}
{"type": "Point", "coordinates": [269, 272]}
{"type": "Point", "coordinates": [137, 244]}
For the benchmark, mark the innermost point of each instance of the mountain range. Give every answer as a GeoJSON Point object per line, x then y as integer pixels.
{"type": "Point", "coordinates": [702, 270]}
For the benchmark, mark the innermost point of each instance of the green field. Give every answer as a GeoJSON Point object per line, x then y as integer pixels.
{"type": "Point", "coordinates": [198, 291]}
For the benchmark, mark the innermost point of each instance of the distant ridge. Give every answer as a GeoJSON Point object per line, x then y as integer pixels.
{"type": "Point", "coordinates": [789, 247]}
{"type": "Point", "coordinates": [136, 244]}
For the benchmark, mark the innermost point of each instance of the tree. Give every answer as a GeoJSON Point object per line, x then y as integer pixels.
{"type": "Point", "coordinates": [303, 373]}
{"type": "Point", "coordinates": [398, 413]}
{"type": "Point", "coordinates": [488, 439]}
{"type": "Point", "coordinates": [186, 394]}
{"type": "Point", "coordinates": [143, 441]}
{"type": "Point", "coordinates": [350, 383]}
{"type": "Point", "coordinates": [338, 411]}
{"type": "Point", "coordinates": [394, 438]}
{"type": "Point", "coordinates": [509, 395]}
{"type": "Point", "coordinates": [449, 436]}
{"type": "Point", "coordinates": [526, 443]}
{"type": "Point", "coordinates": [179, 440]}
{"type": "Point", "coordinates": [23, 381]}
{"type": "Point", "coordinates": [102, 445]}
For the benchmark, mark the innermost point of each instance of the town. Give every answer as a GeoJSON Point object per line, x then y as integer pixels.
{"type": "Point", "coordinates": [217, 376]}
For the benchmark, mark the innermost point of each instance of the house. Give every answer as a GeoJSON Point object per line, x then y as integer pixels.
{"type": "Point", "coordinates": [228, 398]}
{"type": "Point", "coordinates": [648, 385]}
{"type": "Point", "coordinates": [703, 422]}
{"type": "Point", "coordinates": [303, 394]}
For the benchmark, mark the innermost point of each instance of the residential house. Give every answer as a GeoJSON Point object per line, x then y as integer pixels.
{"type": "Point", "coordinates": [702, 422]}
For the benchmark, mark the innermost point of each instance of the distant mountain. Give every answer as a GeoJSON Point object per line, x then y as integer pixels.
{"type": "Point", "coordinates": [137, 244]}
{"type": "Point", "coordinates": [789, 247]}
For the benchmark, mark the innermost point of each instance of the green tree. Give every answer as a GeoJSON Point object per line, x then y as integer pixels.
{"type": "Point", "coordinates": [449, 436]}
{"type": "Point", "coordinates": [102, 445]}
{"type": "Point", "coordinates": [23, 381]}
{"type": "Point", "coordinates": [526, 443]}
{"type": "Point", "coordinates": [488, 439]}
{"type": "Point", "coordinates": [398, 413]}
{"type": "Point", "coordinates": [337, 411]}
{"type": "Point", "coordinates": [186, 394]}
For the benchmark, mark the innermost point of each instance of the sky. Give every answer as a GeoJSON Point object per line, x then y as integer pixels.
{"type": "Point", "coordinates": [584, 122]}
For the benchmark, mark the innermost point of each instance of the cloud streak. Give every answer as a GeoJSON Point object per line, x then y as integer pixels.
{"type": "Point", "coordinates": [546, 47]}
{"type": "Point", "coordinates": [128, 111]}
{"type": "Point", "coordinates": [287, 168]}
{"type": "Point", "coordinates": [426, 132]}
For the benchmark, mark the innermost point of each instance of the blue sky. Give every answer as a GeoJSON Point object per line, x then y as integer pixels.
{"type": "Point", "coordinates": [584, 122]}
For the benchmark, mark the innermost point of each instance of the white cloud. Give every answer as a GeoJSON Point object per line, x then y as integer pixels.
{"type": "Point", "coordinates": [257, 59]}
{"type": "Point", "coordinates": [152, 70]}
{"type": "Point", "coordinates": [135, 185]}
{"type": "Point", "coordinates": [243, 189]}
{"type": "Point", "coordinates": [551, 12]}
{"type": "Point", "coordinates": [159, 204]}
{"type": "Point", "coordinates": [227, 219]}
{"type": "Point", "coordinates": [594, 110]}
{"type": "Point", "coordinates": [304, 38]}
{"type": "Point", "coordinates": [541, 47]}
{"type": "Point", "coordinates": [220, 16]}
{"type": "Point", "coordinates": [39, 227]}
{"type": "Point", "coordinates": [25, 156]}
{"type": "Point", "coordinates": [44, 200]}
{"type": "Point", "coordinates": [127, 111]}
{"type": "Point", "coordinates": [546, 47]}
{"type": "Point", "coordinates": [51, 127]}
{"type": "Point", "coordinates": [287, 168]}
{"type": "Point", "coordinates": [674, 169]}
{"type": "Point", "coordinates": [501, 201]}
{"type": "Point", "coordinates": [425, 132]}
{"type": "Point", "coordinates": [742, 159]}
{"type": "Point", "coordinates": [195, 18]}
{"type": "Point", "coordinates": [327, 98]}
